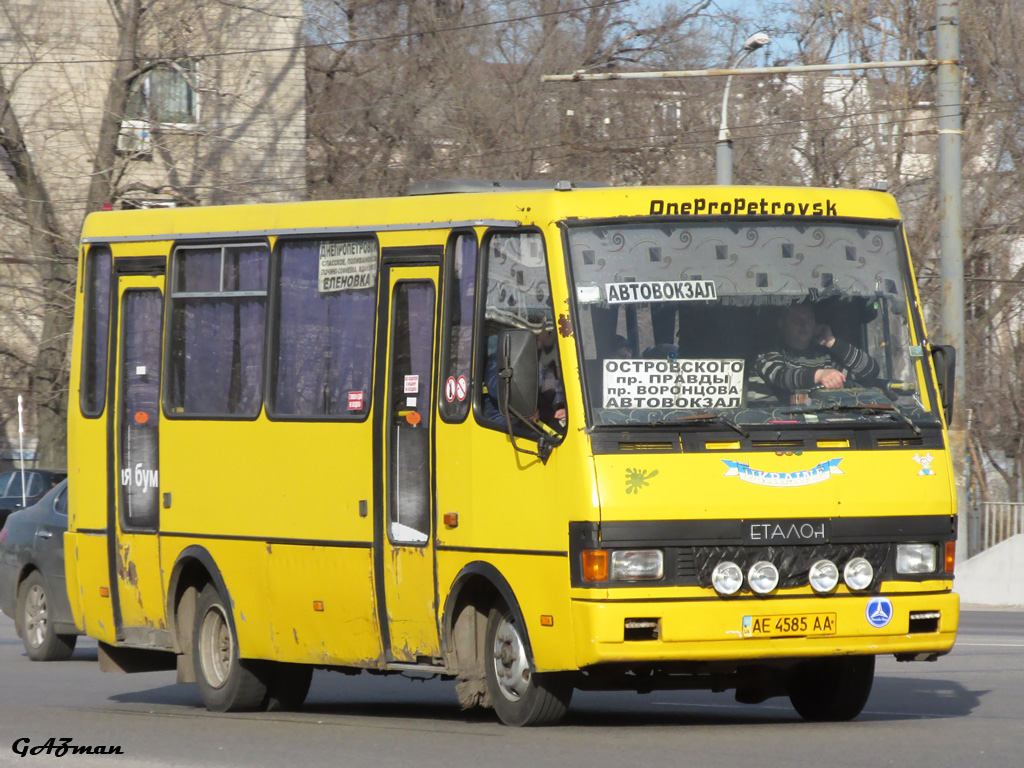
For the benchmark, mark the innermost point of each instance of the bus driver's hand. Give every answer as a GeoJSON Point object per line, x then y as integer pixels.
{"type": "Point", "coordinates": [830, 378]}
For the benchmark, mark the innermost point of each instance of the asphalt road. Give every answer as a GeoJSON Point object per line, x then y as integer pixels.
{"type": "Point", "coordinates": [966, 709]}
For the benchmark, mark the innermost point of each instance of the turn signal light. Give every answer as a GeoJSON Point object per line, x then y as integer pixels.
{"type": "Point", "coordinates": [950, 556]}
{"type": "Point", "coordinates": [595, 565]}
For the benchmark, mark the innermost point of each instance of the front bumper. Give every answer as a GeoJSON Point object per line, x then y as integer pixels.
{"type": "Point", "coordinates": [711, 629]}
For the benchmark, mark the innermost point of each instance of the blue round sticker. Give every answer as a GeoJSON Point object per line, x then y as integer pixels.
{"type": "Point", "coordinates": [879, 612]}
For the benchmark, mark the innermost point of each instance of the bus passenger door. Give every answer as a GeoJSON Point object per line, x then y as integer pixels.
{"type": "Point", "coordinates": [134, 432]}
{"type": "Point", "coordinates": [405, 542]}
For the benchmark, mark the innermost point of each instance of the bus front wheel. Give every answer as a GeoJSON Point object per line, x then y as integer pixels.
{"type": "Point", "coordinates": [225, 682]}
{"type": "Point", "coordinates": [519, 695]}
{"type": "Point", "coordinates": [836, 689]}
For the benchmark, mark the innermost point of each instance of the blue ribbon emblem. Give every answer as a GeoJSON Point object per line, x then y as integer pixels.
{"type": "Point", "coordinates": [816, 474]}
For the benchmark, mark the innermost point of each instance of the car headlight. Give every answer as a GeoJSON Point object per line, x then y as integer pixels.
{"type": "Point", "coordinates": [916, 558]}
{"type": "Point", "coordinates": [823, 576]}
{"type": "Point", "coordinates": [763, 577]}
{"type": "Point", "coordinates": [858, 574]}
{"type": "Point", "coordinates": [637, 565]}
{"type": "Point", "coordinates": [727, 578]}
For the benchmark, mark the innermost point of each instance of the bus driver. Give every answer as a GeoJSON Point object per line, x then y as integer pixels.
{"type": "Point", "coordinates": [811, 356]}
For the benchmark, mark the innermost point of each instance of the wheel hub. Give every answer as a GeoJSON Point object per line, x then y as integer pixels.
{"type": "Point", "coordinates": [511, 666]}
{"type": "Point", "coordinates": [36, 615]}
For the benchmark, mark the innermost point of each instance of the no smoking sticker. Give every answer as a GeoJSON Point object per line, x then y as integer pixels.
{"type": "Point", "coordinates": [455, 389]}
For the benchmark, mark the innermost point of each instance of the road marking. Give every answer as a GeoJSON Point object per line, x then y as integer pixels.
{"type": "Point", "coordinates": [989, 645]}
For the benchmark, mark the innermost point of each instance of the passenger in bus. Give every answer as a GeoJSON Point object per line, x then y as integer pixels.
{"type": "Point", "coordinates": [661, 352]}
{"type": "Point", "coordinates": [621, 348]}
{"type": "Point", "coordinates": [810, 356]}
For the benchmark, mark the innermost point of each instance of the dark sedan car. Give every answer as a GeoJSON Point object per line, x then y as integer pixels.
{"type": "Point", "coordinates": [33, 589]}
{"type": "Point", "coordinates": [37, 482]}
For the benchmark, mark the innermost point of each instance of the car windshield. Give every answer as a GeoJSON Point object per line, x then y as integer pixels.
{"type": "Point", "coordinates": [762, 322]}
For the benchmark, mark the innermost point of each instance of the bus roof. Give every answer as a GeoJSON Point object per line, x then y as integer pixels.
{"type": "Point", "coordinates": [451, 204]}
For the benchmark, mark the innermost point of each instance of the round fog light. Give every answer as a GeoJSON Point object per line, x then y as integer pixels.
{"type": "Point", "coordinates": [858, 574]}
{"type": "Point", "coordinates": [823, 576]}
{"type": "Point", "coordinates": [763, 577]}
{"type": "Point", "coordinates": [727, 578]}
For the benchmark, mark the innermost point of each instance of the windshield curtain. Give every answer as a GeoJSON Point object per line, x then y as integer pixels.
{"type": "Point", "coordinates": [757, 322]}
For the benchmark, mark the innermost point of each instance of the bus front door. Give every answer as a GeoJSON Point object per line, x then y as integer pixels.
{"type": "Point", "coordinates": [134, 432]}
{"type": "Point", "coordinates": [407, 595]}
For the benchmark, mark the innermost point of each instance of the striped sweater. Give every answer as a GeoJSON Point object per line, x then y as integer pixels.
{"type": "Point", "coordinates": [788, 370]}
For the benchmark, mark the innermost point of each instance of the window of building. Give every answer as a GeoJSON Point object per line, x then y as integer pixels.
{"type": "Point", "coordinates": [216, 330]}
{"type": "Point", "coordinates": [322, 356]}
{"type": "Point", "coordinates": [166, 95]}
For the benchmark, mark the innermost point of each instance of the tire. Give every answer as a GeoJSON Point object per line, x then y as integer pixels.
{"type": "Point", "coordinates": [36, 623]}
{"type": "Point", "coordinates": [225, 682]}
{"type": "Point", "coordinates": [287, 686]}
{"type": "Point", "coordinates": [832, 690]}
{"type": "Point", "coordinates": [519, 695]}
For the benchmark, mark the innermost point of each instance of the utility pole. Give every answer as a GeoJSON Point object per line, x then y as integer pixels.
{"type": "Point", "coordinates": [951, 258]}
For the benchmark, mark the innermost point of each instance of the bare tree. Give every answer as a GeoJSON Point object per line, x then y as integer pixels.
{"type": "Point", "coordinates": [70, 147]}
{"type": "Point", "coordinates": [424, 90]}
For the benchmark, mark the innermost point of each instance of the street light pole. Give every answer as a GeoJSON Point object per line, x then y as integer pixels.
{"type": "Point", "coordinates": [723, 149]}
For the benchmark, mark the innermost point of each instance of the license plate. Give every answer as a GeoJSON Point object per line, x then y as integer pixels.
{"type": "Point", "coordinates": [790, 625]}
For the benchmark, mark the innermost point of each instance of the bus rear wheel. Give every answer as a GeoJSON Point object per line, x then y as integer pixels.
{"type": "Point", "coordinates": [225, 682]}
{"type": "Point", "coordinates": [837, 689]}
{"type": "Point", "coordinates": [519, 695]}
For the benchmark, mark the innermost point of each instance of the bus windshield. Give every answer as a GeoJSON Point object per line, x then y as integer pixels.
{"type": "Point", "coordinates": [746, 322]}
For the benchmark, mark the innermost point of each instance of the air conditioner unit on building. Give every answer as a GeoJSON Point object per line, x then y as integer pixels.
{"type": "Point", "coordinates": [134, 139]}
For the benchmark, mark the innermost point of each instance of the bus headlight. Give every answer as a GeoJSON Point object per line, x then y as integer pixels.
{"type": "Point", "coordinates": [727, 578]}
{"type": "Point", "coordinates": [637, 565]}
{"type": "Point", "coordinates": [916, 558]}
{"type": "Point", "coordinates": [823, 576]}
{"type": "Point", "coordinates": [858, 574]}
{"type": "Point", "coordinates": [763, 577]}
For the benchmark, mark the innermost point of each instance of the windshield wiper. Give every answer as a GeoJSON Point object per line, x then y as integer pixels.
{"type": "Point", "coordinates": [719, 417]}
{"type": "Point", "coordinates": [865, 407]}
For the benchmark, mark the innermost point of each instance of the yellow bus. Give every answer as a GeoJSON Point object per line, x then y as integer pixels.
{"type": "Point", "coordinates": [533, 437]}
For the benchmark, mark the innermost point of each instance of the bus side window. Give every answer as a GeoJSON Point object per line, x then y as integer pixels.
{"type": "Point", "coordinates": [216, 331]}
{"type": "Point", "coordinates": [96, 333]}
{"type": "Point", "coordinates": [518, 296]}
{"type": "Point", "coordinates": [457, 333]}
{"type": "Point", "coordinates": [321, 355]}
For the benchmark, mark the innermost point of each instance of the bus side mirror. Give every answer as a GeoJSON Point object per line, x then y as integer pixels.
{"type": "Point", "coordinates": [944, 360]}
{"type": "Point", "coordinates": [517, 374]}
